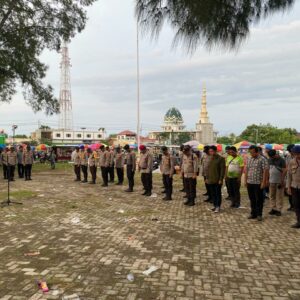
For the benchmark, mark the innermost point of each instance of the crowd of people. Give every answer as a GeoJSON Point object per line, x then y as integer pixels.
{"type": "Point", "coordinates": [265, 174]}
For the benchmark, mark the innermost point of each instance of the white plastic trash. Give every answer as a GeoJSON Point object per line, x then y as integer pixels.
{"type": "Point", "coordinates": [150, 270]}
{"type": "Point", "coordinates": [130, 277]}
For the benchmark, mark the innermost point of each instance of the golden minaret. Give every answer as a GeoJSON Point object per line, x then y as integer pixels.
{"type": "Point", "coordinates": [204, 114]}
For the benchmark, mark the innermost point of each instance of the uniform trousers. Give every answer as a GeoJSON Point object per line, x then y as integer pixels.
{"type": "Point", "coordinates": [190, 185]}
{"type": "Point", "coordinates": [28, 169]}
{"type": "Point", "coordinates": [256, 196]}
{"type": "Point", "coordinates": [111, 173]}
{"type": "Point", "coordinates": [120, 174]}
{"type": "Point", "coordinates": [84, 170]}
{"type": "Point", "coordinates": [130, 176]}
{"type": "Point", "coordinates": [77, 172]}
{"type": "Point", "coordinates": [104, 172]}
{"type": "Point", "coordinates": [93, 170]}
{"type": "Point", "coordinates": [11, 172]}
{"type": "Point", "coordinates": [147, 182]}
{"type": "Point", "coordinates": [5, 171]}
{"type": "Point", "coordinates": [296, 202]}
{"type": "Point", "coordinates": [21, 170]}
{"type": "Point", "coordinates": [168, 185]}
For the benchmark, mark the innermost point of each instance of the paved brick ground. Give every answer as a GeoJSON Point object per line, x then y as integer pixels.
{"type": "Point", "coordinates": [88, 247]}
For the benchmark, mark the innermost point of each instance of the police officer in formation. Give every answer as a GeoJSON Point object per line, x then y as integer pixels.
{"type": "Point", "coordinates": [84, 163]}
{"type": "Point", "coordinates": [3, 160]}
{"type": "Point", "coordinates": [130, 161]}
{"type": "Point", "coordinates": [146, 168]}
{"type": "Point", "coordinates": [92, 163]}
{"type": "Point", "coordinates": [20, 162]}
{"type": "Point", "coordinates": [27, 161]}
{"type": "Point", "coordinates": [167, 169]}
{"type": "Point", "coordinates": [119, 158]}
{"type": "Point", "coordinates": [76, 160]}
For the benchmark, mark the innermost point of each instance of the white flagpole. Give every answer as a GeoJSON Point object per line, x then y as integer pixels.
{"type": "Point", "coordinates": [138, 86]}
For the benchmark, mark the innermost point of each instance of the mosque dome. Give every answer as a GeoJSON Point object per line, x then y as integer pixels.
{"type": "Point", "coordinates": [173, 115]}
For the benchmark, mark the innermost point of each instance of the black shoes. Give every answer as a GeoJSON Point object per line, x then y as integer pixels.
{"type": "Point", "coordinates": [275, 212]}
{"type": "Point", "coordinates": [259, 218]}
{"type": "Point", "coordinates": [167, 198]}
{"type": "Point", "coordinates": [252, 217]}
{"type": "Point", "coordinates": [104, 185]}
{"type": "Point", "coordinates": [129, 191]}
{"type": "Point", "coordinates": [291, 209]}
{"type": "Point", "coordinates": [182, 190]}
{"type": "Point", "coordinates": [297, 226]}
{"type": "Point", "coordinates": [148, 194]}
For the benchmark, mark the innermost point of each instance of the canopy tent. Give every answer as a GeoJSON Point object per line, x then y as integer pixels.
{"type": "Point", "coordinates": [278, 147]}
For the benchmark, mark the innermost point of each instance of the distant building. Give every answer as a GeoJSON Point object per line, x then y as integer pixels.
{"type": "Point", "coordinates": [70, 137]}
{"type": "Point", "coordinates": [129, 137]}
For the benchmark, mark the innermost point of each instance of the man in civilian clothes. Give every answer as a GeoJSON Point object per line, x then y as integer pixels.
{"type": "Point", "coordinates": [234, 172]}
{"type": "Point", "coordinates": [189, 173]}
{"type": "Point", "coordinates": [256, 176]}
{"type": "Point", "coordinates": [119, 157]}
{"type": "Point", "coordinates": [27, 161]}
{"type": "Point", "coordinates": [205, 159]}
{"type": "Point", "coordinates": [146, 168]}
{"type": "Point", "coordinates": [76, 160]}
{"type": "Point", "coordinates": [20, 162]}
{"type": "Point", "coordinates": [84, 163]}
{"type": "Point", "coordinates": [4, 162]}
{"type": "Point", "coordinates": [293, 182]}
{"type": "Point", "coordinates": [130, 167]}
{"type": "Point", "coordinates": [11, 163]}
{"type": "Point", "coordinates": [167, 168]}
{"type": "Point", "coordinates": [104, 162]}
{"type": "Point", "coordinates": [215, 177]}
{"type": "Point", "coordinates": [92, 163]}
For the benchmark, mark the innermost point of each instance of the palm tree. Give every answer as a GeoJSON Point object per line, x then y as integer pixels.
{"type": "Point", "coordinates": [224, 23]}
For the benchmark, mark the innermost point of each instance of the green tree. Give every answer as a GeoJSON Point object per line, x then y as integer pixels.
{"type": "Point", "coordinates": [266, 133]}
{"type": "Point", "coordinates": [209, 22]}
{"type": "Point", "coordinates": [44, 127]}
{"type": "Point", "coordinates": [182, 138]}
{"type": "Point", "coordinates": [21, 136]}
{"type": "Point", "coordinates": [27, 28]}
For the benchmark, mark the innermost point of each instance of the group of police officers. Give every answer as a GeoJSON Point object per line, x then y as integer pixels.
{"type": "Point", "coordinates": [109, 160]}
{"type": "Point", "coordinates": [22, 159]}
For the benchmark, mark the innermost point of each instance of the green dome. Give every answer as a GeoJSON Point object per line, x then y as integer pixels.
{"type": "Point", "coordinates": [173, 115]}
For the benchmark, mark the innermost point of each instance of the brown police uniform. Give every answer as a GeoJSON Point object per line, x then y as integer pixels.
{"type": "Point", "coordinates": [120, 167]}
{"type": "Point", "coordinates": [293, 182]}
{"type": "Point", "coordinates": [27, 163]}
{"type": "Point", "coordinates": [92, 163]}
{"type": "Point", "coordinates": [130, 169]}
{"type": "Point", "coordinates": [84, 164]}
{"type": "Point", "coordinates": [189, 170]}
{"type": "Point", "coordinates": [146, 167]}
{"type": "Point", "coordinates": [104, 162]}
{"type": "Point", "coordinates": [77, 159]}
{"type": "Point", "coordinates": [167, 169]}
{"type": "Point", "coordinates": [11, 164]}
{"type": "Point", "coordinates": [111, 170]}
{"type": "Point", "coordinates": [4, 163]}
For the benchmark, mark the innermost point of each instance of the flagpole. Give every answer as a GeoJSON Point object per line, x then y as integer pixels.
{"type": "Point", "coordinates": [138, 86]}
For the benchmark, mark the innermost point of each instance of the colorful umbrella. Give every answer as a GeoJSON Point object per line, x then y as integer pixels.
{"type": "Point", "coordinates": [95, 147]}
{"type": "Point", "coordinates": [219, 147]}
{"type": "Point", "coordinates": [42, 147]}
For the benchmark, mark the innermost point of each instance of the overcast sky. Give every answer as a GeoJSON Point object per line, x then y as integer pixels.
{"type": "Point", "coordinates": [260, 83]}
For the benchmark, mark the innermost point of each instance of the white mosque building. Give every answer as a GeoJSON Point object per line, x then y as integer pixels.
{"type": "Point", "coordinates": [174, 125]}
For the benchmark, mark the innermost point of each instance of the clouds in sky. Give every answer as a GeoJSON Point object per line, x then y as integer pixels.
{"type": "Point", "coordinates": [259, 83]}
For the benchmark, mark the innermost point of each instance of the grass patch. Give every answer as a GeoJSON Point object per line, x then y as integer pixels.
{"type": "Point", "coordinates": [61, 166]}
{"type": "Point", "coordinates": [19, 195]}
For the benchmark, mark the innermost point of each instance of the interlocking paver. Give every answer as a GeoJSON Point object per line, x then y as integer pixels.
{"type": "Point", "coordinates": [88, 248]}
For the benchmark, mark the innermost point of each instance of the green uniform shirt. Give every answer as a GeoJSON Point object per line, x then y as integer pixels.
{"type": "Point", "coordinates": [234, 165]}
